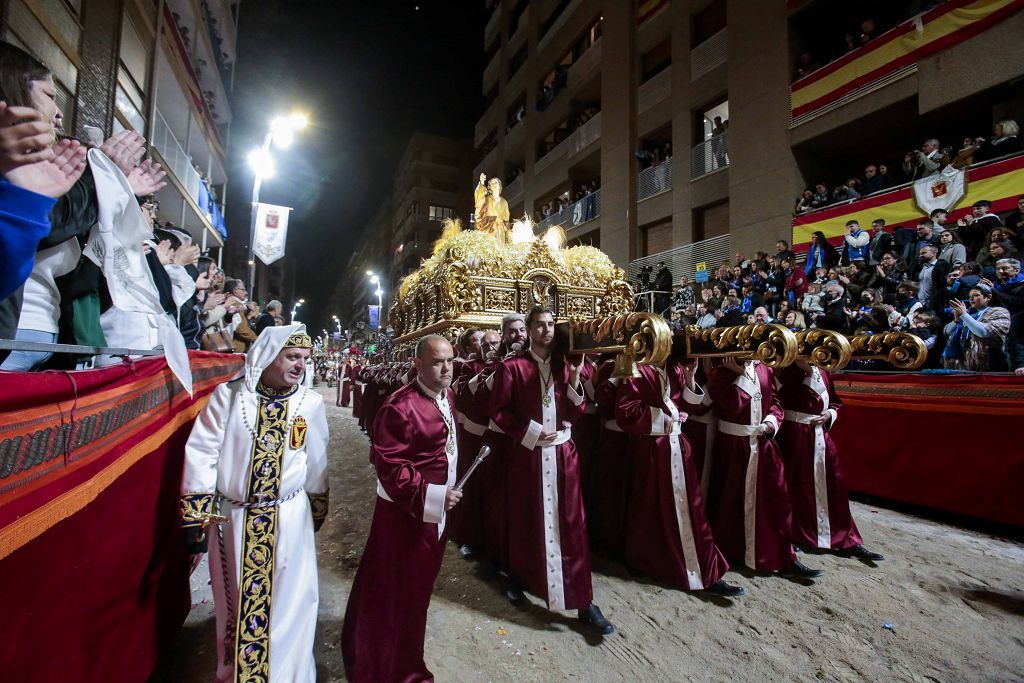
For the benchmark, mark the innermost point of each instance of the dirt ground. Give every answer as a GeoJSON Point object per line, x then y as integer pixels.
{"type": "Point", "coordinates": [946, 605]}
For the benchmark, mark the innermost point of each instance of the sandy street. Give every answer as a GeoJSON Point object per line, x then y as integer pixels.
{"type": "Point", "coordinates": [945, 605]}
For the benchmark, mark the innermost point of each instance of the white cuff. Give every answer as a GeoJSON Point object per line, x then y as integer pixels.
{"type": "Point", "coordinates": [433, 505]}
{"type": "Point", "coordinates": [657, 421]}
{"type": "Point", "coordinates": [490, 381]}
{"type": "Point", "coordinates": [575, 396]}
{"type": "Point", "coordinates": [694, 397]}
{"type": "Point", "coordinates": [774, 422]}
{"type": "Point", "coordinates": [835, 414]}
{"type": "Point", "coordinates": [532, 434]}
{"type": "Point", "coordinates": [473, 384]}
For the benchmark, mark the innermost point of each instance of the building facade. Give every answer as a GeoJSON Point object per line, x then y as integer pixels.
{"type": "Point", "coordinates": [673, 128]}
{"type": "Point", "coordinates": [432, 182]}
{"type": "Point", "coordinates": [160, 67]}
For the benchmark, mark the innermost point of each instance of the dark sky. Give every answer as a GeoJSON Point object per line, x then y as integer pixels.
{"type": "Point", "coordinates": [369, 74]}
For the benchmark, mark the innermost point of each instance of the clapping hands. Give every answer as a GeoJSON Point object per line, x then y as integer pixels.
{"type": "Point", "coordinates": [30, 160]}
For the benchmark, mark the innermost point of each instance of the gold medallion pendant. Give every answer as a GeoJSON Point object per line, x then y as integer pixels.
{"type": "Point", "coordinates": [298, 435]}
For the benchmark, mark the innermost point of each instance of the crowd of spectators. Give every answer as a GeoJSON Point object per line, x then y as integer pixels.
{"type": "Point", "coordinates": [958, 286]}
{"type": "Point", "coordinates": [931, 158]}
{"type": "Point", "coordinates": [567, 128]}
{"type": "Point", "coordinates": [54, 288]}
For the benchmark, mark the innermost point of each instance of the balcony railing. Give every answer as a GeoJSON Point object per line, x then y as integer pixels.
{"type": "Point", "coordinates": [655, 180]}
{"type": "Point", "coordinates": [710, 155]}
{"type": "Point", "coordinates": [708, 55]}
{"type": "Point", "coordinates": [577, 213]}
{"type": "Point", "coordinates": [683, 260]}
{"type": "Point", "coordinates": [177, 160]}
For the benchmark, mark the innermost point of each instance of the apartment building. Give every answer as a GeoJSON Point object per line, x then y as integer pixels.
{"type": "Point", "coordinates": [686, 116]}
{"type": "Point", "coordinates": [160, 67]}
{"type": "Point", "coordinates": [432, 182]}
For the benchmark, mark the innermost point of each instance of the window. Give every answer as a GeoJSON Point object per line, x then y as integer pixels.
{"type": "Point", "coordinates": [710, 221]}
{"type": "Point", "coordinates": [439, 213]}
{"type": "Point", "coordinates": [706, 120]}
{"type": "Point", "coordinates": [657, 238]}
{"type": "Point", "coordinates": [708, 22]}
{"type": "Point", "coordinates": [657, 60]}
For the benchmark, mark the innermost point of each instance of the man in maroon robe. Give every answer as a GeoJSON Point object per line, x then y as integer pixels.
{"type": "Point", "coordinates": [820, 500]}
{"type": "Point", "coordinates": [608, 481]}
{"type": "Point", "coordinates": [346, 383]}
{"type": "Point", "coordinates": [535, 398]}
{"type": "Point", "coordinates": [668, 536]}
{"type": "Point", "coordinates": [414, 452]}
{"type": "Point", "coordinates": [748, 502]}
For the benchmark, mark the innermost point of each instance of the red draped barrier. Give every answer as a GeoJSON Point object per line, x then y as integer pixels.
{"type": "Point", "coordinates": [93, 576]}
{"type": "Point", "coordinates": [948, 442]}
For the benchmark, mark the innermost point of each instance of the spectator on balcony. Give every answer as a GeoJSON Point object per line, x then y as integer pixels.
{"type": "Point", "coordinates": [820, 197]}
{"type": "Point", "coordinates": [880, 242]}
{"type": "Point", "coordinates": [907, 304]}
{"type": "Point", "coordinates": [663, 288]}
{"type": "Point", "coordinates": [1015, 221]}
{"type": "Point", "coordinates": [963, 279]}
{"type": "Point", "coordinates": [996, 252]}
{"type": "Point", "coordinates": [926, 326]}
{"type": "Point", "coordinates": [784, 308]}
{"type": "Point", "coordinates": [925, 234]}
{"type": "Point", "coordinates": [782, 250]}
{"type": "Point", "coordinates": [719, 142]}
{"type": "Point", "coordinates": [975, 337]}
{"type": "Point", "coordinates": [761, 316]}
{"type": "Point", "coordinates": [855, 243]}
{"type": "Point", "coordinates": [237, 321]}
{"type": "Point", "coordinates": [888, 179]}
{"type": "Point", "coordinates": [820, 254]}
{"type": "Point", "coordinates": [1005, 140]}
{"type": "Point", "coordinates": [951, 249]}
{"type": "Point", "coordinates": [872, 181]}
{"type": "Point", "coordinates": [965, 155]}
{"type": "Point", "coordinates": [924, 162]}
{"type": "Point", "coordinates": [749, 298]}
{"type": "Point", "coordinates": [805, 203]}
{"type": "Point", "coordinates": [1008, 292]}
{"type": "Point", "coordinates": [930, 273]}
{"type": "Point", "coordinates": [848, 191]}
{"type": "Point", "coordinates": [868, 31]}
{"type": "Point", "coordinates": [271, 310]}
{"type": "Point", "coordinates": [805, 64]}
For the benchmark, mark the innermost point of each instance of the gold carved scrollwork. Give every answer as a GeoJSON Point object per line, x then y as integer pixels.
{"type": "Point", "coordinates": [900, 349]}
{"type": "Point", "coordinates": [499, 299]}
{"type": "Point", "coordinates": [636, 337]}
{"type": "Point", "coordinates": [579, 306]}
{"type": "Point", "coordinates": [773, 345]}
{"type": "Point", "coordinates": [825, 349]}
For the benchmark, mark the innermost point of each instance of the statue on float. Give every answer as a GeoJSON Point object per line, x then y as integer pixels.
{"type": "Point", "coordinates": [491, 208]}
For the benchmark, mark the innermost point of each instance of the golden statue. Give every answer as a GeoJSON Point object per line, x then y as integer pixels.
{"type": "Point", "coordinates": [491, 208]}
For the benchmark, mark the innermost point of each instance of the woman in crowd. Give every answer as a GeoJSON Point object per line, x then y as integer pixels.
{"type": "Point", "coordinates": [975, 337]}
{"type": "Point", "coordinates": [951, 248]}
{"type": "Point", "coordinates": [996, 250]}
{"type": "Point", "coordinates": [821, 254]}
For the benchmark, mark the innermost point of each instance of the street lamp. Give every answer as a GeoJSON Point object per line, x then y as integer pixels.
{"type": "Point", "coordinates": [375, 279]}
{"type": "Point", "coordinates": [295, 308]}
{"type": "Point", "coordinates": [282, 133]}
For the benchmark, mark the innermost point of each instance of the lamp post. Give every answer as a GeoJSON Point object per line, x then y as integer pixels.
{"type": "Point", "coordinates": [282, 133]}
{"type": "Point", "coordinates": [295, 308]}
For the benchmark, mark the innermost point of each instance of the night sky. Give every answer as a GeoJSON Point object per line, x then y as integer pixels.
{"type": "Point", "coordinates": [369, 74]}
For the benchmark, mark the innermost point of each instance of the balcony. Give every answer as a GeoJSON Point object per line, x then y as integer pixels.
{"type": "Point", "coordinates": [708, 55]}
{"type": "Point", "coordinates": [582, 69]}
{"type": "Point", "coordinates": [655, 90]}
{"type": "Point", "coordinates": [576, 214]}
{"type": "Point", "coordinates": [710, 156]}
{"type": "Point", "coordinates": [654, 180]}
{"type": "Point", "coordinates": [998, 181]}
{"type": "Point", "coordinates": [892, 56]}
{"type": "Point", "coordinates": [683, 260]}
{"type": "Point", "coordinates": [514, 190]}
{"type": "Point", "coordinates": [554, 29]}
{"type": "Point", "coordinates": [491, 29]}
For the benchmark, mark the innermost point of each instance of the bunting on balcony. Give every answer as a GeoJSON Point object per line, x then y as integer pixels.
{"type": "Point", "coordinates": [896, 51]}
{"type": "Point", "coordinates": [1000, 182]}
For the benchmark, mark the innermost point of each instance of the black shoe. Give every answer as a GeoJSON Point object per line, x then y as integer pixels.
{"type": "Point", "coordinates": [592, 617]}
{"type": "Point", "coordinates": [801, 571]}
{"type": "Point", "coordinates": [514, 593]}
{"type": "Point", "coordinates": [724, 589]}
{"type": "Point", "coordinates": [861, 553]}
{"type": "Point", "coordinates": [467, 551]}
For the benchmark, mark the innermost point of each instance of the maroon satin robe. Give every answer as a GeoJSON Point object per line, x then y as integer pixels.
{"type": "Point", "coordinates": [820, 499]}
{"type": "Point", "coordinates": [358, 380]}
{"type": "Point", "coordinates": [385, 621]}
{"type": "Point", "coordinates": [750, 516]}
{"type": "Point", "coordinates": [543, 485]}
{"type": "Point", "coordinates": [668, 536]}
{"type": "Point", "coordinates": [467, 523]}
{"type": "Point", "coordinates": [608, 481]}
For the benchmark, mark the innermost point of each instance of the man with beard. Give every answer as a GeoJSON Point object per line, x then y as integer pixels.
{"type": "Point", "coordinates": [535, 399]}
{"type": "Point", "coordinates": [513, 333]}
{"type": "Point", "coordinates": [414, 452]}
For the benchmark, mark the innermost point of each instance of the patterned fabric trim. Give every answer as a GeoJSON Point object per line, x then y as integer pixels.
{"type": "Point", "coordinates": [259, 532]}
{"type": "Point", "coordinates": [195, 507]}
{"type": "Point", "coordinates": [318, 504]}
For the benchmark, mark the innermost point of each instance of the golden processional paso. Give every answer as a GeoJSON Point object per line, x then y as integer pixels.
{"type": "Point", "coordinates": [473, 279]}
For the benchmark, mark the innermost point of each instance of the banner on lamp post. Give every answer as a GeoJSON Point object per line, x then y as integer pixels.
{"type": "Point", "coordinates": [374, 313]}
{"type": "Point", "coordinates": [271, 232]}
